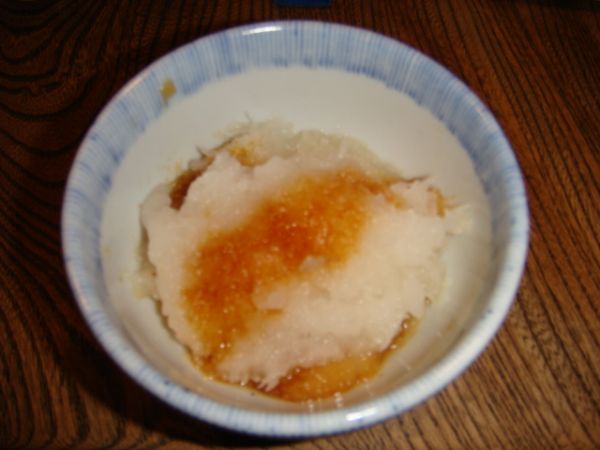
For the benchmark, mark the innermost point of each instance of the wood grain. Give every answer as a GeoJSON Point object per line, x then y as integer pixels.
{"type": "Point", "coordinates": [535, 63]}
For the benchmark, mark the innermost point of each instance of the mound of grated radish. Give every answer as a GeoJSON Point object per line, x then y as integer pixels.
{"type": "Point", "coordinates": [293, 263]}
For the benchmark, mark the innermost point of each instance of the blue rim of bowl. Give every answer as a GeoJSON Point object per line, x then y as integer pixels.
{"type": "Point", "coordinates": [464, 351]}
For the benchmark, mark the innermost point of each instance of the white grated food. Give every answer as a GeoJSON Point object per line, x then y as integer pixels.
{"type": "Point", "coordinates": [326, 313]}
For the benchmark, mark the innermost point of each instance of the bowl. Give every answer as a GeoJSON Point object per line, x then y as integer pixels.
{"type": "Point", "coordinates": [408, 109]}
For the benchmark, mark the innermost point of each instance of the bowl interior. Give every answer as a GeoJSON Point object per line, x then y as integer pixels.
{"type": "Point", "coordinates": [410, 112]}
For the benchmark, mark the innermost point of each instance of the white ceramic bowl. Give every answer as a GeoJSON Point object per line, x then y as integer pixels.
{"type": "Point", "coordinates": [407, 108]}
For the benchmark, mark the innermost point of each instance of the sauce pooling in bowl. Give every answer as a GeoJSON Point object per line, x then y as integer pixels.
{"type": "Point", "coordinates": [318, 218]}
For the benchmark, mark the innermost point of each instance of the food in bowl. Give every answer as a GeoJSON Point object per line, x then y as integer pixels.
{"type": "Point", "coordinates": [293, 263]}
{"type": "Point", "coordinates": [412, 112]}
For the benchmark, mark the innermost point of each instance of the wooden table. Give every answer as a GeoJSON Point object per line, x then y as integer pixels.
{"type": "Point", "coordinates": [535, 63]}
